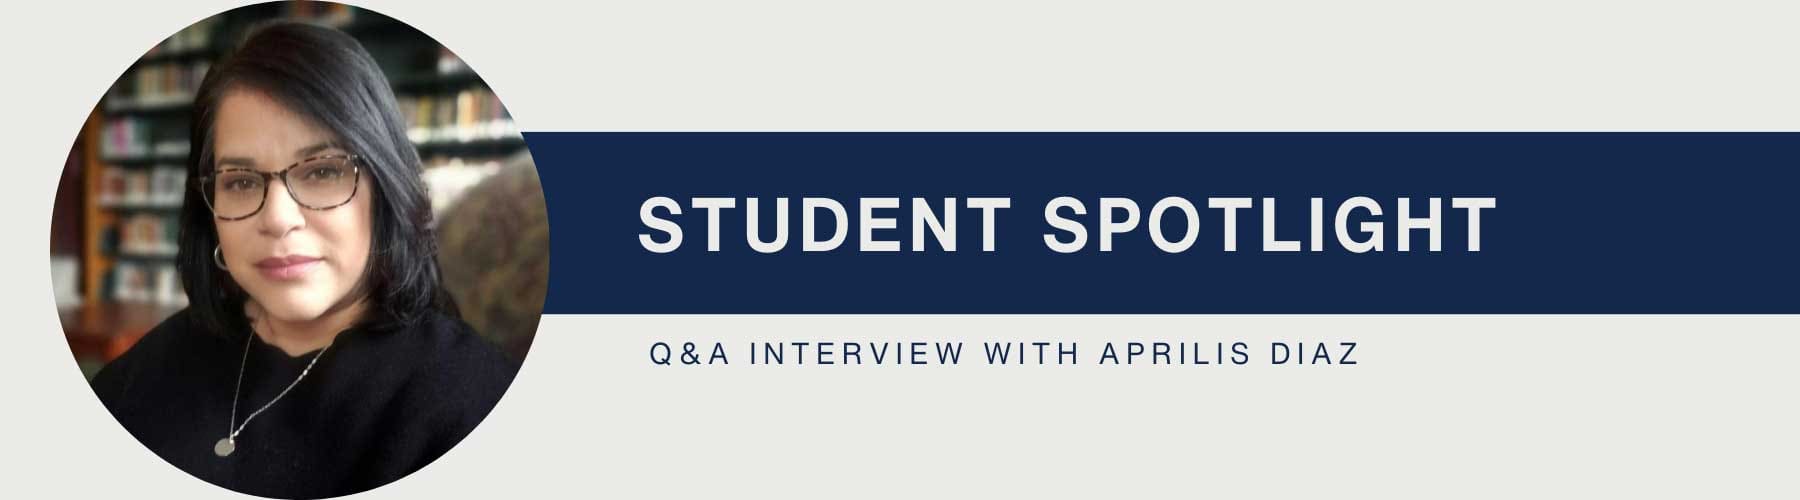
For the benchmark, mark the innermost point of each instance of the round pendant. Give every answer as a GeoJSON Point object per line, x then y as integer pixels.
{"type": "Point", "coordinates": [224, 447]}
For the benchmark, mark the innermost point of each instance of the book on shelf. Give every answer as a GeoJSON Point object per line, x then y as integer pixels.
{"type": "Point", "coordinates": [158, 85]}
{"type": "Point", "coordinates": [146, 235]}
{"type": "Point", "coordinates": [197, 37]}
{"type": "Point", "coordinates": [132, 138]}
{"type": "Point", "coordinates": [472, 114]}
{"type": "Point", "coordinates": [137, 282]}
{"type": "Point", "coordinates": [160, 186]}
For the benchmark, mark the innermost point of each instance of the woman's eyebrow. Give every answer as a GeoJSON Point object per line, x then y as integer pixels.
{"type": "Point", "coordinates": [247, 162]}
{"type": "Point", "coordinates": [235, 161]}
{"type": "Point", "coordinates": [313, 149]}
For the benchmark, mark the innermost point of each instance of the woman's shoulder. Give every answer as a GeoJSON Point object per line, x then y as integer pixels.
{"type": "Point", "coordinates": [452, 377]}
{"type": "Point", "coordinates": [167, 343]}
{"type": "Point", "coordinates": [450, 340]}
{"type": "Point", "coordinates": [451, 357]}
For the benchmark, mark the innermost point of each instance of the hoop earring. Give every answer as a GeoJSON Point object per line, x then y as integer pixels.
{"type": "Point", "coordinates": [218, 260]}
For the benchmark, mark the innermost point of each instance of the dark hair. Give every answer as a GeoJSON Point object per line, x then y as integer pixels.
{"type": "Point", "coordinates": [327, 78]}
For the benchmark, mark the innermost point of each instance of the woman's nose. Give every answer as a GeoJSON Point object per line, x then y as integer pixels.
{"type": "Point", "coordinates": [280, 214]}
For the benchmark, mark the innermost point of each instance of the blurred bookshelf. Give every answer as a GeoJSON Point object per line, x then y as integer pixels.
{"type": "Point", "coordinates": [115, 243]}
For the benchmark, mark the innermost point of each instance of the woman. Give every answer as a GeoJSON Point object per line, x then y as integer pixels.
{"type": "Point", "coordinates": [320, 354]}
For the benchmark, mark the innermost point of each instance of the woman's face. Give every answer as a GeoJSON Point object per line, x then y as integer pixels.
{"type": "Point", "coordinates": [296, 263]}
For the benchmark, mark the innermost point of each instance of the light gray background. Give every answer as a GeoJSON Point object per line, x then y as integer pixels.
{"type": "Point", "coordinates": [1443, 405]}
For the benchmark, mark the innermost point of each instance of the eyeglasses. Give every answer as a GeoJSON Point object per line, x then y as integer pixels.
{"type": "Point", "coordinates": [318, 183]}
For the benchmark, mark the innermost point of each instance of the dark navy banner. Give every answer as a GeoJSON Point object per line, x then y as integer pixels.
{"type": "Point", "coordinates": [1526, 222]}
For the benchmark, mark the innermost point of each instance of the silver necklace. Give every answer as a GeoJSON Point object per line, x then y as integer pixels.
{"type": "Point", "coordinates": [228, 444]}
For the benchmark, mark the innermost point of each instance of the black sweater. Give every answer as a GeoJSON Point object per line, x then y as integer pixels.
{"type": "Point", "coordinates": [376, 407]}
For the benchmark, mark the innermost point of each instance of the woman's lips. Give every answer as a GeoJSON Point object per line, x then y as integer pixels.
{"type": "Point", "coordinates": [286, 268]}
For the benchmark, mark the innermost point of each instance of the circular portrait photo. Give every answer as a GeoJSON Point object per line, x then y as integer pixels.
{"type": "Point", "coordinates": [299, 250]}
